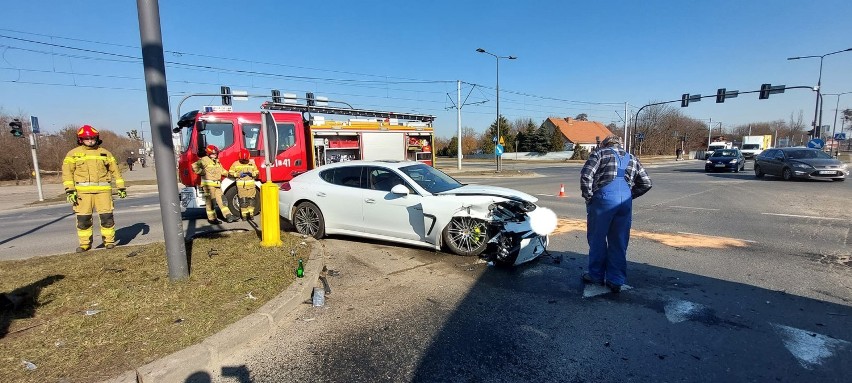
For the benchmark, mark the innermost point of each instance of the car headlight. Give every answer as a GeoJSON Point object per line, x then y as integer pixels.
{"type": "Point", "coordinates": [844, 166]}
{"type": "Point", "coordinates": [708, 162]}
{"type": "Point", "coordinates": [802, 166]}
{"type": "Point", "coordinates": [734, 161]}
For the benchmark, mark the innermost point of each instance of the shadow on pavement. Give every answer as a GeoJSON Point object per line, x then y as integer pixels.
{"type": "Point", "coordinates": [37, 228]}
{"type": "Point", "coordinates": [126, 234]}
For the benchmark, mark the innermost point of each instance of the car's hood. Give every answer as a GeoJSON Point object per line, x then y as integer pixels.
{"type": "Point", "coordinates": [722, 159]}
{"type": "Point", "coordinates": [818, 161]}
{"type": "Point", "coordinates": [490, 191]}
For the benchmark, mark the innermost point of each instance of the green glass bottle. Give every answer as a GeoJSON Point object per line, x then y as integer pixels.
{"type": "Point", "coordinates": [300, 271]}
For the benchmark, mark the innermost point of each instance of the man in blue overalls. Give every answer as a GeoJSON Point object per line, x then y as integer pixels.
{"type": "Point", "coordinates": [609, 181]}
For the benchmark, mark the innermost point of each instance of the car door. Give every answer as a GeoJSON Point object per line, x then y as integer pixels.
{"type": "Point", "coordinates": [766, 161]}
{"type": "Point", "coordinates": [340, 199]}
{"type": "Point", "coordinates": [389, 214]}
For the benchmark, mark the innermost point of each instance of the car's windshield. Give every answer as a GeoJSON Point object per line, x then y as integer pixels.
{"type": "Point", "coordinates": [805, 153]}
{"type": "Point", "coordinates": [751, 146]}
{"type": "Point", "coordinates": [429, 178]}
{"type": "Point", "coordinates": [725, 153]}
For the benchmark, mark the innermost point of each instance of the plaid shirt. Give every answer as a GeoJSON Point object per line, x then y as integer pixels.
{"type": "Point", "coordinates": [602, 166]}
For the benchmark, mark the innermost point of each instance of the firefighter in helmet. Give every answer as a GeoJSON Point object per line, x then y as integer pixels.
{"type": "Point", "coordinates": [245, 172]}
{"type": "Point", "coordinates": [212, 172]}
{"type": "Point", "coordinates": [88, 172]}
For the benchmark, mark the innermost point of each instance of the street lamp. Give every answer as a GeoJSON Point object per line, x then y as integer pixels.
{"type": "Point", "coordinates": [836, 107]}
{"type": "Point", "coordinates": [480, 50]}
{"type": "Point", "coordinates": [817, 107]}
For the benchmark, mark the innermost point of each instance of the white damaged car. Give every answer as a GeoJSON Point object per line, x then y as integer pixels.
{"type": "Point", "coordinates": [413, 203]}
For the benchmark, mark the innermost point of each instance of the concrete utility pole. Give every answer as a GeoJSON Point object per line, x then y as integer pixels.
{"type": "Point", "coordinates": [37, 172]}
{"type": "Point", "coordinates": [161, 136]}
{"type": "Point", "coordinates": [458, 122]}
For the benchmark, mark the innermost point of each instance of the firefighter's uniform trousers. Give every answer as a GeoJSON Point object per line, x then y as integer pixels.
{"type": "Point", "coordinates": [211, 172]}
{"type": "Point", "coordinates": [245, 174]}
{"type": "Point", "coordinates": [90, 171]}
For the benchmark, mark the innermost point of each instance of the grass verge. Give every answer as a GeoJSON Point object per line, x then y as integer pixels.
{"type": "Point", "coordinates": [90, 317]}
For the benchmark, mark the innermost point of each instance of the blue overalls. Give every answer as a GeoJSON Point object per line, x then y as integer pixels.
{"type": "Point", "coordinates": [609, 216]}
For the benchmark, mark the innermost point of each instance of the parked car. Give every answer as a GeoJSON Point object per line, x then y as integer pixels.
{"type": "Point", "coordinates": [413, 203]}
{"type": "Point", "coordinates": [725, 159]}
{"type": "Point", "coordinates": [790, 163]}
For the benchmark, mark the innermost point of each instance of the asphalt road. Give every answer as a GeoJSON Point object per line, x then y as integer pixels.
{"type": "Point", "coordinates": [732, 279]}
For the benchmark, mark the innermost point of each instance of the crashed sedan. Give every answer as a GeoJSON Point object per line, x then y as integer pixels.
{"type": "Point", "coordinates": [413, 203]}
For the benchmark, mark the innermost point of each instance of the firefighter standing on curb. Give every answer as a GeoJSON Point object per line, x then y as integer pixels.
{"type": "Point", "coordinates": [87, 175]}
{"type": "Point", "coordinates": [212, 172]}
{"type": "Point", "coordinates": [245, 171]}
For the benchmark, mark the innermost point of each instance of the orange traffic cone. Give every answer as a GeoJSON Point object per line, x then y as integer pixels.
{"type": "Point", "coordinates": [561, 190]}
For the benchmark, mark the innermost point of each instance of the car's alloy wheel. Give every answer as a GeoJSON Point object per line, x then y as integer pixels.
{"type": "Point", "coordinates": [757, 172]}
{"type": "Point", "coordinates": [787, 174]}
{"type": "Point", "coordinates": [308, 220]}
{"type": "Point", "coordinates": [466, 236]}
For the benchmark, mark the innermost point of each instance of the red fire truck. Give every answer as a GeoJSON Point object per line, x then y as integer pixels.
{"type": "Point", "coordinates": [306, 139]}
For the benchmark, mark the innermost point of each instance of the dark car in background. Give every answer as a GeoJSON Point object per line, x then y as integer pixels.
{"type": "Point", "coordinates": [724, 160]}
{"type": "Point", "coordinates": [805, 163]}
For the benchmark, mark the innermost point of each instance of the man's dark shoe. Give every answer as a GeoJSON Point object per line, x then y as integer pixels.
{"type": "Point", "coordinates": [214, 221]}
{"type": "Point", "coordinates": [613, 287]}
{"type": "Point", "coordinates": [231, 219]}
{"type": "Point", "coordinates": [588, 279]}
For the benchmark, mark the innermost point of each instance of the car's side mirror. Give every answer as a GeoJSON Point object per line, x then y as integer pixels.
{"type": "Point", "coordinates": [399, 189]}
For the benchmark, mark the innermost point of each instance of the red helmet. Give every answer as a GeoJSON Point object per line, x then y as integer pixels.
{"type": "Point", "coordinates": [211, 149]}
{"type": "Point", "coordinates": [244, 154]}
{"type": "Point", "coordinates": [88, 132]}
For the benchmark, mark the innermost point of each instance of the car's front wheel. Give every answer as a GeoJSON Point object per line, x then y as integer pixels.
{"type": "Point", "coordinates": [787, 174]}
{"type": "Point", "coordinates": [308, 220]}
{"type": "Point", "coordinates": [757, 172]}
{"type": "Point", "coordinates": [466, 236]}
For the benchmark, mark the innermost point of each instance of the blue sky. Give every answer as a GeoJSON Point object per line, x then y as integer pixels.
{"type": "Point", "coordinates": [573, 57]}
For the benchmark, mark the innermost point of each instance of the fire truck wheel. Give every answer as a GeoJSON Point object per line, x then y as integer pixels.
{"type": "Point", "coordinates": [466, 236]}
{"type": "Point", "coordinates": [308, 220]}
{"type": "Point", "coordinates": [233, 201]}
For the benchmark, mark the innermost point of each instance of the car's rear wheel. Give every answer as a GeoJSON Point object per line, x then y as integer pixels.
{"type": "Point", "coordinates": [757, 172]}
{"type": "Point", "coordinates": [466, 236]}
{"type": "Point", "coordinates": [308, 220]}
{"type": "Point", "coordinates": [787, 174]}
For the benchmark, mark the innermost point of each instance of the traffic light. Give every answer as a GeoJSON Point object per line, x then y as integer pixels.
{"type": "Point", "coordinates": [311, 98]}
{"type": "Point", "coordinates": [17, 128]}
{"type": "Point", "coordinates": [684, 100]}
{"type": "Point", "coordinates": [226, 95]}
{"type": "Point", "coordinates": [764, 91]}
{"type": "Point", "coordinates": [276, 96]}
{"type": "Point", "coordinates": [720, 95]}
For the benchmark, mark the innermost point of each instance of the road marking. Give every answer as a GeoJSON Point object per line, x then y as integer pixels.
{"type": "Point", "coordinates": [679, 311]}
{"type": "Point", "coordinates": [803, 216]}
{"type": "Point", "coordinates": [139, 209]}
{"type": "Point", "coordinates": [713, 236]}
{"type": "Point", "coordinates": [690, 207]}
{"type": "Point", "coordinates": [547, 195]}
{"type": "Point", "coordinates": [809, 348]}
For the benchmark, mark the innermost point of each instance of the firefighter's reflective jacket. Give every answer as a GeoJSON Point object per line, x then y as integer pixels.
{"type": "Point", "coordinates": [211, 171]}
{"type": "Point", "coordinates": [90, 170]}
{"type": "Point", "coordinates": [249, 169]}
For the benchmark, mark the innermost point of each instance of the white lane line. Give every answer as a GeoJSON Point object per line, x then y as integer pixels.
{"type": "Point", "coordinates": [809, 348]}
{"type": "Point", "coordinates": [547, 195]}
{"type": "Point", "coordinates": [138, 209]}
{"type": "Point", "coordinates": [715, 236]}
{"type": "Point", "coordinates": [803, 216]}
{"type": "Point", "coordinates": [690, 207]}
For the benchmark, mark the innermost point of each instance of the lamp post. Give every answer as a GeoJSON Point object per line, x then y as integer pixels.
{"type": "Point", "coordinates": [836, 108]}
{"type": "Point", "coordinates": [480, 50]}
{"type": "Point", "coordinates": [817, 124]}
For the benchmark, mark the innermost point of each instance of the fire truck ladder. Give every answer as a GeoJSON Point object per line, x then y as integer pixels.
{"type": "Point", "coordinates": [346, 111]}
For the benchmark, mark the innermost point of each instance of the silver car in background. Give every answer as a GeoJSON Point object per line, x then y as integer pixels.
{"type": "Point", "coordinates": [803, 163]}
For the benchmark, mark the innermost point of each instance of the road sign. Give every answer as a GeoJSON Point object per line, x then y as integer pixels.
{"type": "Point", "coordinates": [816, 143]}
{"type": "Point", "coordinates": [498, 150]}
{"type": "Point", "coordinates": [840, 136]}
{"type": "Point", "coordinates": [502, 141]}
{"type": "Point", "coordinates": [34, 125]}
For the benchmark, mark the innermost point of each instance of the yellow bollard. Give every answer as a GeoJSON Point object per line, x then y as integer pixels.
{"type": "Point", "coordinates": [270, 224]}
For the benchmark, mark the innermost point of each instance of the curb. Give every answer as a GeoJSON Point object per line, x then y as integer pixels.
{"type": "Point", "coordinates": [204, 356]}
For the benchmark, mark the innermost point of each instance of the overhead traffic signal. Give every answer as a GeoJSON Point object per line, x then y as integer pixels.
{"type": "Point", "coordinates": [684, 100]}
{"type": "Point", "coordinates": [226, 95]}
{"type": "Point", "coordinates": [311, 100]}
{"type": "Point", "coordinates": [764, 91]}
{"type": "Point", "coordinates": [17, 128]}
{"type": "Point", "coordinates": [276, 96]}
